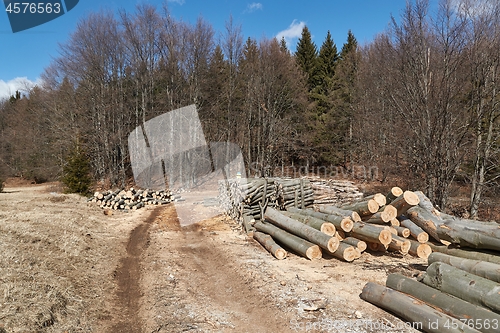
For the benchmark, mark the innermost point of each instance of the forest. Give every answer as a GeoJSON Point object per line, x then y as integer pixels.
{"type": "Point", "coordinates": [419, 103]}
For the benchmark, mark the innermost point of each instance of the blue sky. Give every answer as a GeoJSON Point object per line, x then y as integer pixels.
{"type": "Point", "coordinates": [24, 55]}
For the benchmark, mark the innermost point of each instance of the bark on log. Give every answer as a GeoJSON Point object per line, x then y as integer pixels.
{"type": "Point", "coordinates": [332, 210]}
{"type": "Point", "coordinates": [420, 250]}
{"type": "Point", "coordinates": [270, 245]}
{"type": "Point", "coordinates": [371, 233]}
{"type": "Point", "coordinates": [363, 208]}
{"type": "Point", "coordinates": [416, 232]}
{"type": "Point", "coordinates": [318, 224]}
{"type": "Point", "coordinates": [466, 253]}
{"type": "Point", "coordinates": [403, 232]}
{"type": "Point", "coordinates": [450, 305]}
{"type": "Point", "coordinates": [484, 269]}
{"type": "Point", "coordinates": [464, 285]}
{"type": "Point", "coordinates": [393, 194]}
{"type": "Point", "coordinates": [405, 201]}
{"type": "Point", "coordinates": [297, 228]}
{"type": "Point", "coordinates": [361, 245]}
{"type": "Point", "coordinates": [295, 243]}
{"type": "Point", "coordinates": [378, 218]}
{"type": "Point", "coordinates": [468, 235]}
{"type": "Point", "coordinates": [248, 222]}
{"type": "Point", "coordinates": [343, 223]}
{"type": "Point", "coordinates": [425, 220]}
{"type": "Point", "coordinates": [400, 244]}
{"type": "Point", "coordinates": [345, 252]}
{"type": "Point", "coordinates": [376, 247]}
{"type": "Point", "coordinates": [411, 310]}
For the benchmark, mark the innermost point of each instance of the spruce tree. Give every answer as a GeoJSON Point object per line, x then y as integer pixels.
{"type": "Point", "coordinates": [306, 56]}
{"type": "Point", "coordinates": [327, 61]}
{"type": "Point", "coordinates": [76, 171]}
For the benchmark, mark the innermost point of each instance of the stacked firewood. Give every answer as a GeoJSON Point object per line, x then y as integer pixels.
{"type": "Point", "coordinates": [334, 191]}
{"type": "Point", "coordinates": [376, 222]}
{"type": "Point", "coordinates": [131, 199]}
{"type": "Point", "coordinates": [250, 196]}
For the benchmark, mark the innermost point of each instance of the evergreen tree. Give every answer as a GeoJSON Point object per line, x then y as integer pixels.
{"type": "Point", "coordinates": [327, 61]}
{"type": "Point", "coordinates": [306, 56]}
{"type": "Point", "coordinates": [283, 45]}
{"type": "Point", "coordinates": [76, 172]}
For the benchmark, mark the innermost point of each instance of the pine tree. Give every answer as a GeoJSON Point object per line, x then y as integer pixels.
{"type": "Point", "coordinates": [283, 45]}
{"type": "Point", "coordinates": [306, 56]}
{"type": "Point", "coordinates": [76, 172]}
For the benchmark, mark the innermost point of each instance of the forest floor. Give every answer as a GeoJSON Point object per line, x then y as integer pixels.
{"type": "Point", "coordinates": [67, 267]}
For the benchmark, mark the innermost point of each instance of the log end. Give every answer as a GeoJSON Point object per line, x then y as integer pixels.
{"type": "Point", "coordinates": [373, 206]}
{"type": "Point", "coordinates": [328, 228]}
{"type": "Point", "coordinates": [280, 254]}
{"type": "Point", "coordinates": [385, 237]}
{"type": "Point", "coordinates": [391, 212]}
{"type": "Point", "coordinates": [424, 251]}
{"type": "Point", "coordinates": [314, 252]}
{"type": "Point", "coordinates": [347, 224]}
{"type": "Point", "coordinates": [411, 198]}
{"type": "Point", "coordinates": [333, 244]}
{"type": "Point", "coordinates": [380, 199]}
{"type": "Point", "coordinates": [396, 191]}
{"type": "Point", "coordinates": [423, 237]}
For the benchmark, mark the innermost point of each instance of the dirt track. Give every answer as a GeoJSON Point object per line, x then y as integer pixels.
{"type": "Point", "coordinates": [143, 272]}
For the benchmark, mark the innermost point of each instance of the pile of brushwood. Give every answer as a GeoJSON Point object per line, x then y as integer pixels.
{"type": "Point", "coordinates": [132, 199]}
{"type": "Point", "coordinates": [250, 196]}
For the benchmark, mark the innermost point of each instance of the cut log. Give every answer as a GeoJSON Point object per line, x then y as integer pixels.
{"type": "Point", "coordinates": [418, 233]}
{"type": "Point", "coordinates": [270, 245]}
{"type": "Point", "coordinates": [371, 233]}
{"type": "Point", "coordinates": [376, 247]}
{"type": "Point", "coordinates": [405, 201]}
{"type": "Point", "coordinates": [363, 208]}
{"type": "Point", "coordinates": [378, 218]}
{"type": "Point", "coordinates": [450, 305]}
{"type": "Point", "coordinates": [403, 232]}
{"type": "Point", "coordinates": [393, 194]}
{"type": "Point", "coordinates": [466, 253]}
{"type": "Point", "coordinates": [464, 285]}
{"type": "Point", "coordinates": [420, 250]}
{"type": "Point", "coordinates": [421, 315]}
{"type": "Point", "coordinates": [425, 220]}
{"type": "Point", "coordinates": [318, 224]}
{"type": "Point", "coordinates": [297, 228]}
{"type": "Point", "coordinates": [248, 222]}
{"type": "Point", "coordinates": [395, 223]}
{"type": "Point", "coordinates": [479, 237]}
{"type": "Point", "coordinates": [379, 198]}
{"type": "Point", "coordinates": [345, 252]}
{"type": "Point", "coordinates": [399, 244]}
{"type": "Point", "coordinates": [361, 245]}
{"type": "Point", "coordinates": [294, 243]}
{"type": "Point", "coordinates": [343, 223]}
{"type": "Point", "coordinates": [484, 269]}
{"type": "Point", "coordinates": [332, 210]}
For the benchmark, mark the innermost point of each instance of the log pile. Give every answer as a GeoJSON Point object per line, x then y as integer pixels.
{"type": "Point", "coordinates": [334, 192]}
{"type": "Point", "coordinates": [132, 199]}
{"type": "Point", "coordinates": [250, 196]}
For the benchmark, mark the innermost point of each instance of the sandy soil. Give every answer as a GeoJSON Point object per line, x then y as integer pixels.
{"type": "Point", "coordinates": [67, 267]}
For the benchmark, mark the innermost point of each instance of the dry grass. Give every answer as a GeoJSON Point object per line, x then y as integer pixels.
{"type": "Point", "coordinates": [56, 262]}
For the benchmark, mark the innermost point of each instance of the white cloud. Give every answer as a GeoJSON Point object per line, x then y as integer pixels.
{"type": "Point", "coordinates": [179, 2]}
{"type": "Point", "coordinates": [252, 7]}
{"type": "Point", "coordinates": [22, 84]}
{"type": "Point", "coordinates": [474, 8]}
{"type": "Point", "coordinates": [293, 32]}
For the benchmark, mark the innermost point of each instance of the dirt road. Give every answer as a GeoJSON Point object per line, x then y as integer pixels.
{"type": "Point", "coordinates": [67, 267]}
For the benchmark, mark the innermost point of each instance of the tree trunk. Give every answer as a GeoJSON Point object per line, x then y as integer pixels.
{"type": "Point", "coordinates": [450, 305]}
{"type": "Point", "coordinates": [300, 229]}
{"type": "Point", "coordinates": [484, 269]}
{"type": "Point", "coordinates": [345, 252]}
{"type": "Point", "coordinates": [393, 194]}
{"type": "Point", "coordinates": [318, 224]}
{"type": "Point", "coordinates": [403, 232]}
{"type": "Point", "coordinates": [270, 245]}
{"type": "Point", "coordinates": [416, 232]}
{"type": "Point", "coordinates": [379, 198]}
{"type": "Point", "coordinates": [422, 316]}
{"type": "Point", "coordinates": [466, 253]}
{"type": "Point", "coordinates": [343, 223]}
{"type": "Point", "coordinates": [332, 210]}
{"type": "Point", "coordinates": [363, 208]}
{"type": "Point", "coordinates": [370, 233]}
{"type": "Point", "coordinates": [425, 220]}
{"type": "Point", "coordinates": [399, 244]}
{"type": "Point", "coordinates": [420, 250]}
{"type": "Point", "coordinates": [295, 243]}
{"type": "Point", "coordinates": [248, 222]}
{"type": "Point", "coordinates": [361, 245]}
{"type": "Point", "coordinates": [404, 202]}
{"type": "Point", "coordinates": [469, 287]}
